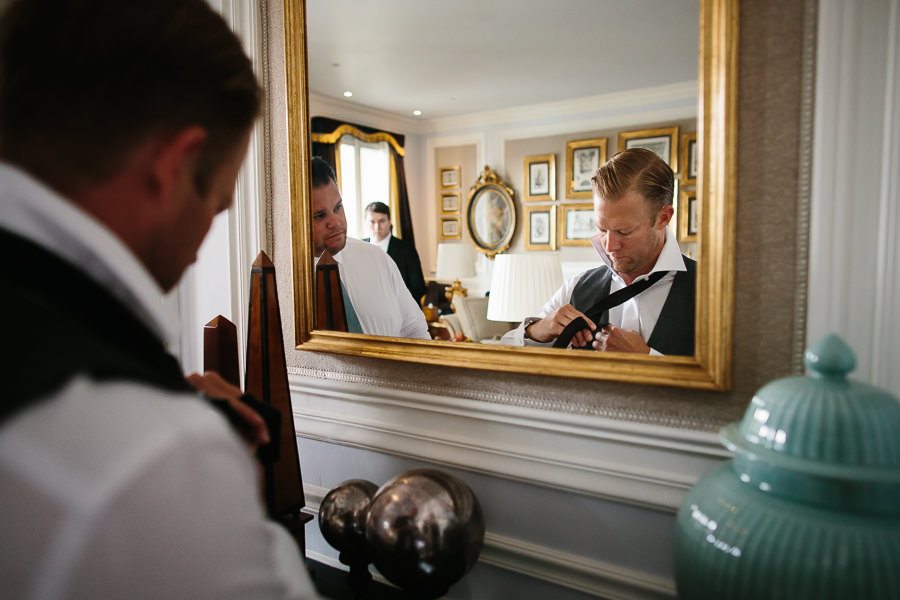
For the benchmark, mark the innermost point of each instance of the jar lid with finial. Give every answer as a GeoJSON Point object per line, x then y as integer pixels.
{"type": "Point", "coordinates": [822, 438]}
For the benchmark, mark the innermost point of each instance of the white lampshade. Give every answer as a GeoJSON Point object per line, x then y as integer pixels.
{"type": "Point", "coordinates": [455, 261]}
{"type": "Point", "coordinates": [522, 284]}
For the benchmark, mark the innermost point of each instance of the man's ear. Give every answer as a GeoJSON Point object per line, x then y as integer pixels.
{"type": "Point", "coordinates": [664, 216]}
{"type": "Point", "coordinates": [175, 160]}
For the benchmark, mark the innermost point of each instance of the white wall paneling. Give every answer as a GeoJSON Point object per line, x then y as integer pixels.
{"type": "Point", "coordinates": [218, 282]}
{"type": "Point", "coordinates": [631, 463]}
{"type": "Point", "coordinates": [534, 561]}
{"type": "Point", "coordinates": [854, 284]}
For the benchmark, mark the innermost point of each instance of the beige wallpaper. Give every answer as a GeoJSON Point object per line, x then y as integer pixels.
{"type": "Point", "coordinates": [514, 172]}
{"type": "Point", "coordinates": [775, 86]}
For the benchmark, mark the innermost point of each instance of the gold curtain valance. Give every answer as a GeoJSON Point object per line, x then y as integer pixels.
{"type": "Point", "coordinates": [378, 136]}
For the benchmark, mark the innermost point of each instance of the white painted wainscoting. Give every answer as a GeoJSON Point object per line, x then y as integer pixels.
{"type": "Point", "coordinates": [592, 518]}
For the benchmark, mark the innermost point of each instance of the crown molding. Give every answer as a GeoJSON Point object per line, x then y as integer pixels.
{"type": "Point", "coordinates": [360, 114]}
{"type": "Point", "coordinates": [678, 99]}
{"type": "Point", "coordinates": [680, 94]}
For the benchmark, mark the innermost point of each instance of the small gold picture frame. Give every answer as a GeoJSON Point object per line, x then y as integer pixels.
{"type": "Point", "coordinates": [540, 227]}
{"type": "Point", "coordinates": [576, 224]}
{"type": "Point", "coordinates": [540, 178]}
{"type": "Point", "coordinates": [663, 141]}
{"type": "Point", "coordinates": [688, 216]}
{"type": "Point", "coordinates": [450, 229]}
{"type": "Point", "coordinates": [583, 158]}
{"type": "Point", "coordinates": [689, 164]}
{"type": "Point", "coordinates": [449, 177]}
{"type": "Point", "coordinates": [450, 203]}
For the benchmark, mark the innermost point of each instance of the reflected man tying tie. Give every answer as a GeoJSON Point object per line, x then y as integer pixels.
{"type": "Point", "coordinates": [376, 300]}
{"type": "Point", "coordinates": [641, 299]}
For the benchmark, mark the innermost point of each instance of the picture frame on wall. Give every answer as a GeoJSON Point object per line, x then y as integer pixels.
{"type": "Point", "coordinates": [583, 158]}
{"type": "Point", "coordinates": [689, 165]}
{"type": "Point", "coordinates": [576, 224]}
{"type": "Point", "coordinates": [540, 224]}
{"type": "Point", "coordinates": [688, 216]}
{"type": "Point", "coordinates": [450, 203]}
{"type": "Point", "coordinates": [540, 178]}
{"type": "Point", "coordinates": [450, 229]}
{"type": "Point", "coordinates": [663, 141]}
{"type": "Point", "coordinates": [449, 177]}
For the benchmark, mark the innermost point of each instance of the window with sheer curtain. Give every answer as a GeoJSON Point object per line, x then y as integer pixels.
{"type": "Point", "coordinates": [365, 177]}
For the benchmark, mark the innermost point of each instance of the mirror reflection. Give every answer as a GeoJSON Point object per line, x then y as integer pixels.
{"type": "Point", "coordinates": [492, 214]}
{"type": "Point", "coordinates": [577, 86]}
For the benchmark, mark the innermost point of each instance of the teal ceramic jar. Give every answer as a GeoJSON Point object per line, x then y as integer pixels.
{"type": "Point", "coordinates": [809, 507]}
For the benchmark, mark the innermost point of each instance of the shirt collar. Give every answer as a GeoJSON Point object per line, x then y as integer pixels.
{"type": "Point", "coordinates": [39, 214]}
{"type": "Point", "coordinates": [383, 244]}
{"type": "Point", "coordinates": [669, 259]}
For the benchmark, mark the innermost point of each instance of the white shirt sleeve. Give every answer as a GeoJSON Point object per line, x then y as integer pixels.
{"type": "Point", "coordinates": [563, 296]}
{"type": "Point", "coordinates": [380, 298]}
{"type": "Point", "coordinates": [190, 525]}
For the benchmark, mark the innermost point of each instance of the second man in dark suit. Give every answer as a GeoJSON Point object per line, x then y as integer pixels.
{"type": "Point", "coordinates": [378, 220]}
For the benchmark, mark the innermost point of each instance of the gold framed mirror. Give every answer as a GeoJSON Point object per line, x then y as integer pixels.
{"type": "Point", "coordinates": [491, 216]}
{"type": "Point", "coordinates": [709, 368]}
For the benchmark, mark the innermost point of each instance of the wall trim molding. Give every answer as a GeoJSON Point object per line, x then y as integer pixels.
{"type": "Point", "coordinates": [605, 105]}
{"type": "Point", "coordinates": [560, 111]}
{"type": "Point", "coordinates": [631, 463]}
{"type": "Point", "coordinates": [598, 578]}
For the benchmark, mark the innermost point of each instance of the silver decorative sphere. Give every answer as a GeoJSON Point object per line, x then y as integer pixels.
{"type": "Point", "coordinates": [424, 531]}
{"type": "Point", "coordinates": [342, 514]}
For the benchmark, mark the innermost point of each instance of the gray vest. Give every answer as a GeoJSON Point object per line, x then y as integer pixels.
{"type": "Point", "coordinates": [674, 330]}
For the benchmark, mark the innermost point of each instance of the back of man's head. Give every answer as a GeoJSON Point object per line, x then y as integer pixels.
{"type": "Point", "coordinates": [84, 82]}
{"type": "Point", "coordinates": [639, 170]}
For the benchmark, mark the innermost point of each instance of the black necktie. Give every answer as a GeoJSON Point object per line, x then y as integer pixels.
{"type": "Point", "coordinates": [597, 311]}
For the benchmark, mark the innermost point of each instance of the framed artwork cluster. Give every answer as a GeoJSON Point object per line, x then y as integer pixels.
{"type": "Point", "coordinates": [549, 226]}
{"type": "Point", "coordinates": [449, 198]}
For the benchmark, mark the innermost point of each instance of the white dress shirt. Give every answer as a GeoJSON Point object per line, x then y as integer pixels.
{"type": "Point", "coordinates": [639, 313]}
{"type": "Point", "coordinates": [120, 490]}
{"type": "Point", "coordinates": [380, 298]}
{"type": "Point", "coordinates": [383, 243]}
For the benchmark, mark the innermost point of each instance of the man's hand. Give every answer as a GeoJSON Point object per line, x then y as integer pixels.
{"type": "Point", "coordinates": [549, 328]}
{"type": "Point", "coordinates": [616, 339]}
{"type": "Point", "coordinates": [213, 385]}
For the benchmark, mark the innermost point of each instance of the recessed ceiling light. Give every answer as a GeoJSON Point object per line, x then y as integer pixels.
{"type": "Point", "coordinates": [417, 112]}
{"type": "Point", "coordinates": [347, 94]}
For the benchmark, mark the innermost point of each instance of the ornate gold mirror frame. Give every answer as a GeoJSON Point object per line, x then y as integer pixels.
{"type": "Point", "coordinates": [491, 187]}
{"type": "Point", "coordinates": [710, 368]}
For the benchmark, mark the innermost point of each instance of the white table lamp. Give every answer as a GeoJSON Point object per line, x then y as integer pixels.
{"type": "Point", "coordinates": [521, 284]}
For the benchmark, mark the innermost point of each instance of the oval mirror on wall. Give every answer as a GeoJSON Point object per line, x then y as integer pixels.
{"type": "Point", "coordinates": [491, 216]}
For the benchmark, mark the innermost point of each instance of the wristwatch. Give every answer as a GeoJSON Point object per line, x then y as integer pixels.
{"type": "Point", "coordinates": [528, 322]}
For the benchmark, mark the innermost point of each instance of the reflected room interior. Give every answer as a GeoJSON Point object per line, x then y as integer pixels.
{"type": "Point", "coordinates": [499, 160]}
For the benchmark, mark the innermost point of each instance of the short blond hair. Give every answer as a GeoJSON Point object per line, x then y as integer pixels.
{"type": "Point", "coordinates": [637, 169]}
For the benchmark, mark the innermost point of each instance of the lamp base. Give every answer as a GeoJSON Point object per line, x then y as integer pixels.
{"type": "Point", "coordinates": [456, 288]}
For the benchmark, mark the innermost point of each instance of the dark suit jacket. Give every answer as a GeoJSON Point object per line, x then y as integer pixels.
{"type": "Point", "coordinates": [407, 259]}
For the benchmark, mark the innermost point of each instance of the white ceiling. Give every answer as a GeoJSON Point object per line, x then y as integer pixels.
{"type": "Point", "coordinates": [464, 56]}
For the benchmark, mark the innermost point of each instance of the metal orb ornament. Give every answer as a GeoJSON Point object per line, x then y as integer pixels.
{"type": "Point", "coordinates": [424, 531]}
{"type": "Point", "coordinates": [342, 515]}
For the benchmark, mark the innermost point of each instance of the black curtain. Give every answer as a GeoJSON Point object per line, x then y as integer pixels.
{"type": "Point", "coordinates": [324, 125]}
